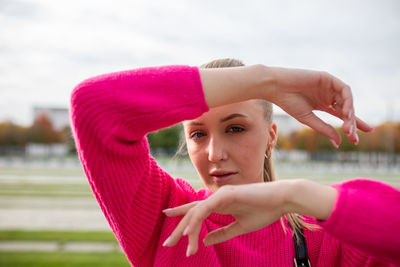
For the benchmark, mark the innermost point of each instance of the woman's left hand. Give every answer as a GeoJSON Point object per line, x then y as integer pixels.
{"type": "Point", "coordinates": [254, 206]}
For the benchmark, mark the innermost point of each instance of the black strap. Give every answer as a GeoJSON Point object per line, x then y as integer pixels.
{"type": "Point", "coordinates": [301, 259]}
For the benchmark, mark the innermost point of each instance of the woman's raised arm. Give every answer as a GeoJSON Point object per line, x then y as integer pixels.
{"type": "Point", "coordinates": [298, 92]}
{"type": "Point", "coordinates": [110, 115]}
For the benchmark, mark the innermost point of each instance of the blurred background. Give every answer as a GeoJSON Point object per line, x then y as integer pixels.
{"type": "Point", "coordinates": [48, 215]}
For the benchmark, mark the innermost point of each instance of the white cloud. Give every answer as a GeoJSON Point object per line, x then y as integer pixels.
{"type": "Point", "coordinates": [49, 46]}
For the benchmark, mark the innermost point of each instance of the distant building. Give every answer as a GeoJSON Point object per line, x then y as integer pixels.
{"type": "Point", "coordinates": [58, 116]}
{"type": "Point", "coordinates": [286, 124]}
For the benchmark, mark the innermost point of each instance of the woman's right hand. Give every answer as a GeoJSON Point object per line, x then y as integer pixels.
{"type": "Point", "coordinates": [298, 92]}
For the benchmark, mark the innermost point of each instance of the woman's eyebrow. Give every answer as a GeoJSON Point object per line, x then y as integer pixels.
{"type": "Point", "coordinates": [232, 116]}
{"type": "Point", "coordinates": [227, 118]}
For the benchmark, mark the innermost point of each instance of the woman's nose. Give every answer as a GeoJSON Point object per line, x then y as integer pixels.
{"type": "Point", "coordinates": [216, 151]}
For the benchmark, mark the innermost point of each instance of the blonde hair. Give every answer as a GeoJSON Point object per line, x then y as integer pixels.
{"type": "Point", "coordinates": [295, 221]}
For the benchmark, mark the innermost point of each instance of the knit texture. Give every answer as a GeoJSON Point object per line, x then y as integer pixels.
{"type": "Point", "coordinates": [111, 115]}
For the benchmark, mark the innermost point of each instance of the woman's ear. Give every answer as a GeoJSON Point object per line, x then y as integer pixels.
{"type": "Point", "coordinates": [273, 135]}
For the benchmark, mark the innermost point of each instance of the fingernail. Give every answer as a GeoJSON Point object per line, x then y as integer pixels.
{"type": "Point", "coordinates": [187, 251]}
{"type": "Point", "coordinates": [350, 114]}
{"type": "Point", "coordinates": [186, 230]}
{"type": "Point", "coordinates": [357, 139]}
{"type": "Point", "coordinates": [166, 210]}
{"type": "Point", "coordinates": [334, 143]}
{"type": "Point", "coordinates": [166, 242]}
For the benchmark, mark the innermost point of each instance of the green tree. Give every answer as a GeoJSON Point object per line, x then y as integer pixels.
{"type": "Point", "coordinates": [166, 139]}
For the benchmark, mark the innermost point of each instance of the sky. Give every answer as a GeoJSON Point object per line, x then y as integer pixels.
{"type": "Point", "coordinates": [47, 47]}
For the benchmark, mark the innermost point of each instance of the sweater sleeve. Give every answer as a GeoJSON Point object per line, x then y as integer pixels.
{"type": "Point", "coordinates": [110, 116]}
{"type": "Point", "coordinates": [366, 216]}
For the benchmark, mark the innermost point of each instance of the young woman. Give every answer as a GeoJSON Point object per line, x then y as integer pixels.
{"type": "Point", "coordinates": [229, 132]}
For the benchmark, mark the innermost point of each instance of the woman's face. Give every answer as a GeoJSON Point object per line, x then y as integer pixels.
{"type": "Point", "coordinates": [228, 143]}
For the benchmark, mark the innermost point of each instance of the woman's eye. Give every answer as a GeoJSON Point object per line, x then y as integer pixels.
{"type": "Point", "coordinates": [197, 135]}
{"type": "Point", "coordinates": [235, 129]}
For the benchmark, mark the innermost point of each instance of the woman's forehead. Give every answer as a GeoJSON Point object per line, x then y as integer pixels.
{"type": "Point", "coordinates": [249, 109]}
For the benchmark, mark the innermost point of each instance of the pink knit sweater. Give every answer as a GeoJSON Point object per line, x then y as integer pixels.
{"type": "Point", "coordinates": [111, 115]}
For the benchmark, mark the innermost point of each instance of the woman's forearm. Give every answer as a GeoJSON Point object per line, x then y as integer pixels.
{"type": "Point", "coordinates": [223, 86]}
{"type": "Point", "coordinates": [309, 198]}
{"type": "Point", "coordinates": [126, 105]}
{"type": "Point", "coordinates": [361, 213]}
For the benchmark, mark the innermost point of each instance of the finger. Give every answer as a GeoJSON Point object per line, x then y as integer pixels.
{"type": "Point", "coordinates": [344, 101]}
{"type": "Point", "coordinates": [343, 97]}
{"type": "Point", "coordinates": [198, 215]}
{"type": "Point", "coordinates": [349, 123]}
{"type": "Point", "coordinates": [352, 132]}
{"type": "Point", "coordinates": [349, 128]}
{"type": "Point", "coordinates": [347, 107]}
{"type": "Point", "coordinates": [193, 231]}
{"type": "Point", "coordinates": [323, 128]}
{"type": "Point", "coordinates": [337, 112]}
{"type": "Point", "coordinates": [349, 120]}
{"type": "Point", "coordinates": [360, 124]}
{"type": "Point", "coordinates": [176, 235]}
{"type": "Point", "coordinates": [180, 210]}
{"type": "Point", "coordinates": [363, 126]}
{"type": "Point", "coordinates": [224, 233]}
{"type": "Point", "coordinates": [345, 110]}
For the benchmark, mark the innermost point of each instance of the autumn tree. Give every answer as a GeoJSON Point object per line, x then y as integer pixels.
{"type": "Point", "coordinates": [12, 134]}
{"type": "Point", "coordinates": [284, 142]}
{"type": "Point", "coordinates": [42, 131]}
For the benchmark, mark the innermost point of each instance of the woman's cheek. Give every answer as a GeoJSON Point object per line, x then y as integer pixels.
{"type": "Point", "coordinates": [198, 160]}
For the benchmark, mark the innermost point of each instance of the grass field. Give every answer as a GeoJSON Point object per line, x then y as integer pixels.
{"type": "Point", "coordinates": [59, 236]}
{"type": "Point", "coordinates": [64, 190]}
{"type": "Point", "coordinates": [61, 259]}
{"type": "Point", "coordinates": [28, 188]}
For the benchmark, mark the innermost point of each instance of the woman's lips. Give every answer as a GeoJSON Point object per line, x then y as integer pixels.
{"type": "Point", "coordinates": [222, 177]}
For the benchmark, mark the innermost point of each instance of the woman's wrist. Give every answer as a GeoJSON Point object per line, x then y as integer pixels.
{"type": "Point", "coordinates": [309, 198]}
